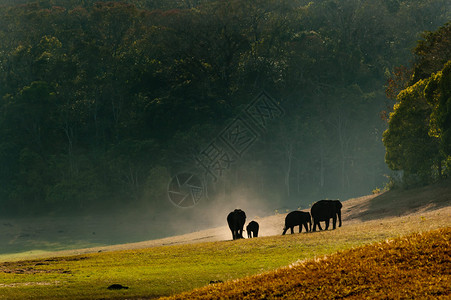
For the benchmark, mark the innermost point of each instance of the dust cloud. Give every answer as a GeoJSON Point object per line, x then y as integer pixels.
{"type": "Point", "coordinates": [212, 212]}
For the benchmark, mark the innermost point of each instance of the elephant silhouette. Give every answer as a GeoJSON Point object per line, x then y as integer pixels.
{"type": "Point", "coordinates": [296, 218]}
{"type": "Point", "coordinates": [252, 229]}
{"type": "Point", "coordinates": [324, 210]}
{"type": "Point", "coordinates": [236, 220]}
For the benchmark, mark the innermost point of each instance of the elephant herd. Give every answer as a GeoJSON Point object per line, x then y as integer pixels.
{"type": "Point", "coordinates": [236, 220]}
{"type": "Point", "coordinates": [321, 211]}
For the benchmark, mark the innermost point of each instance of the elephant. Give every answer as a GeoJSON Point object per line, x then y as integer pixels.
{"type": "Point", "coordinates": [296, 218]}
{"type": "Point", "coordinates": [236, 220]}
{"type": "Point", "coordinates": [324, 210]}
{"type": "Point", "coordinates": [252, 229]}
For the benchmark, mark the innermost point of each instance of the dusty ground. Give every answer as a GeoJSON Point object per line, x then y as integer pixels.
{"type": "Point", "coordinates": [424, 202]}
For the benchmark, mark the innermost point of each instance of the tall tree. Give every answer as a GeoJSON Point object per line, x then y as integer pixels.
{"type": "Point", "coordinates": [438, 94]}
{"type": "Point", "coordinates": [408, 144]}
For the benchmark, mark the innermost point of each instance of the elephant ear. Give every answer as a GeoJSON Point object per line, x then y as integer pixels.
{"type": "Point", "coordinates": [339, 205]}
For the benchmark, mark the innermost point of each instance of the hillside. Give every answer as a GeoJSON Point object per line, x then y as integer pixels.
{"type": "Point", "coordinates": [416, 266]}
{"type": "Point", "coordinates": [428, 202]}
{"type": "Point", "coordinates": [395, 203]}
{"type": "Point", "coordinates": [185, 263]}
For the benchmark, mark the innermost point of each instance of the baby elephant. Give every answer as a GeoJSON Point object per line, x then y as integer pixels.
{"type": "Point", "coordinates": [252, 229]}
{"type": "Point", "coordinates": [296, 218]}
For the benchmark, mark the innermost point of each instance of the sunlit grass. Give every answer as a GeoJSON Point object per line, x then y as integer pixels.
{"type": "Point", "coordinates": [168, 270]}
{"type": "Point", "coordinates": [413, 267]}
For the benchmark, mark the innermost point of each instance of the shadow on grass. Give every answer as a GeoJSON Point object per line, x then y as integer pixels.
{"type": "Point", "coordinates": [21, 235]}
{"type": "Point", "coordinates": [401, 202]}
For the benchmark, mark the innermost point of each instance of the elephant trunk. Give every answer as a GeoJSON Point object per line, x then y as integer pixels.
{"type": "Point", "coordinates": [339, 218]}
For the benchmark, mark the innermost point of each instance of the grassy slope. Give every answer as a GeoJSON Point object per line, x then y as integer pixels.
{"type": "Point", "coordinates": [414, 267]}
{"type": "Point", "coordinates": [159, 271]}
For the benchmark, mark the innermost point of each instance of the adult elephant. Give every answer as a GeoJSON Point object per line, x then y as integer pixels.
{"type": "Point", "coordinates": [296, 218]}
{"type": "Point", "coordinates": [236, 220]}
{"type": "Point", "coordinates": [252, 229]}
{"type": "Point", "coordinates": [324, 210]}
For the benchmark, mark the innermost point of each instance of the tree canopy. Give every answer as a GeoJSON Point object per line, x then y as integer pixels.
{"type": "Point", "coordinates": [102, 102]}
{"type": "Point", "coordinates": [418, 138]}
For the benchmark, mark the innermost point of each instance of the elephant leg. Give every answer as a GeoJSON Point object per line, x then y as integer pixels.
{"type": "Point", "coordinates": [292, 229]}
{"type": "Point", "coordinates": [300, 228]}
{"type": "Point", "coordinates": [334, 222]}
{"type": "Point", "coordinates": [327, 223]}
{"type": "Point", "coordinates": [256, 233]}
{"type": "Point", "coordinates": [306, 227]}
{"type": "Point", "coordinates": [314, 226]}
{"type": "Point", "coordinates": [319, 226]}
{"type": "Point", "coordinates": [285, 230]}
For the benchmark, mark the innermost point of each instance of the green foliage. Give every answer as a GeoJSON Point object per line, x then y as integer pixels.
{"type": "Point", "coordinates": [104, 92]}
{"type": "Point", "coordinates": [432, 52]}
{"type": "Point", "coordinates": [417, 140]}
{"type": "Point", "coordinates": [408, 144]}
{"type": "Point", "coordinates": [438, 94]}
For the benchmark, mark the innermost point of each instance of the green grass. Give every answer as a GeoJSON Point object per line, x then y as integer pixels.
{"type": "Point", "coordinates": [168, 270]}
{"type": "Point", "coordinates": [413, 267]}
{"type": "Point", "coordinates": [158, 271]}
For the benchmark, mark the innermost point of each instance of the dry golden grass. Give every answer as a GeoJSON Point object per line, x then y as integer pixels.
{"type": "Point", "coordinates": [417, 266]}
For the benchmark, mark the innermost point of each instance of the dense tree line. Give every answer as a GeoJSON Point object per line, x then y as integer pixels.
{"type": "Point", "coordinates": [102, 102]}
{"type": "Point", "coordinates": [418, 139]}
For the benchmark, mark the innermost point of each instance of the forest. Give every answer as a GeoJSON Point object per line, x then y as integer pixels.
{"type": "Point", "coordinates": [102, 103]}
